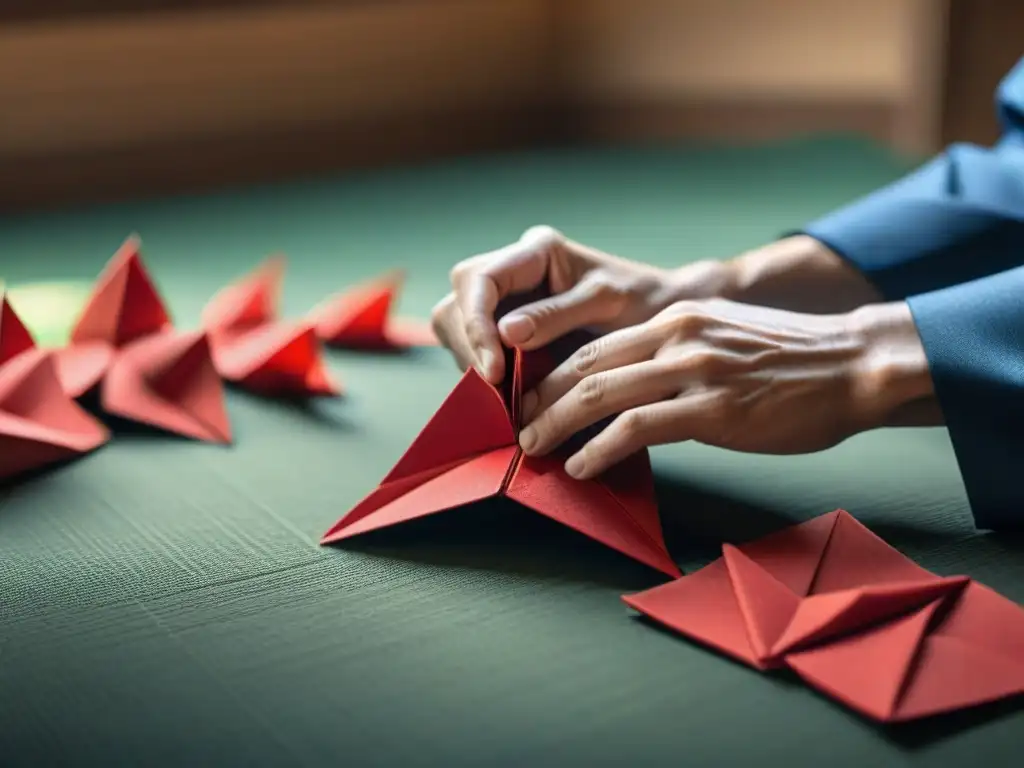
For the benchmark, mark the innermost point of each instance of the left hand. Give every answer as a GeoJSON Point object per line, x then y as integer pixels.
{"type": "Point", "coordinates": [732, 375]}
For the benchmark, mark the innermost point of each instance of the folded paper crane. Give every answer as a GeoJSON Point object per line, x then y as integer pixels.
{"type": "Point", "coordinates": [361, 318]}
{"type": "Point", "coordinates": [852, 617]}
{"type": "Point", "coordinates": [469, 452]}
{"type": "Point", "coordinates": [39, 423]}
{"type": "Point", "coordinates": [256, 350]}
{"type": "Point", "coordinates": [148, 372]}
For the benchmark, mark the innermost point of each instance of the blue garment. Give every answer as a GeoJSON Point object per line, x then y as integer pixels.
{"type": "Point", "coordinates": [949, 238]}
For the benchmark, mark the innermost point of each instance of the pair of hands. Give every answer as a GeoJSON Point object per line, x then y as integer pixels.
{"type": "Point", "coordinates": [783, 350]}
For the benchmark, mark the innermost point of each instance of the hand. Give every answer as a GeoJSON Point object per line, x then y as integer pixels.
{"type": "Point", "coordinates": [589, 289]}
{"type": "Point", "coordinates": [736, 376]}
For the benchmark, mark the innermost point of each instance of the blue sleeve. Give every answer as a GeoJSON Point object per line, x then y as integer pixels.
{"type": "Point", "coordinates": [973, 335]}
{"type": "Point", "coordinates": [958, 218]}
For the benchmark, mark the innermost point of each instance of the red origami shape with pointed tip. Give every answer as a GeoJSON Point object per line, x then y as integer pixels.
{"type": "Point", "coordinates": [14, 336]}
{"type": "Point", "coordinates": [148, 372]}
{"type": "Point", "coordinates": [469, 452]}
{"type": "Point", "coordinates": [168, 381]}
{"type": "Point", "coordinates": [254, 349]}
{"type": "Point", "coordinates": [40, 424]}
{"type": "Point", "coordinates": [361, 318]}
{"type": "Point", "coordinates": [852, 617]}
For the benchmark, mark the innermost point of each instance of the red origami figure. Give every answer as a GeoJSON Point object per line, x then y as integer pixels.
{"type": "Point", "coordinates": [852, 617]}
{"type": "Point", "coordinates": [147, 371]}
{"type": "Point", "coordinates": [254, 349]}
{"type": "Point", "coordinates": [469, 452]}
{"type": "Point", "coordinates": [40, 424]}
{"type": "Point", "coordinates": [360, 318]}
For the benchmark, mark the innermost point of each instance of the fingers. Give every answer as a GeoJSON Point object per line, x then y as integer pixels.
{"type": "Point", "coordinates": [668, 421]}
{"type": "Point", "coordinates": [482, 282]}
{"type": "Point", "coordinates": [629, 345]}
{"type": "Point", "coordinates": [446, 321]}
{"type": "Point", "coordinates": [596, 397]}
{"type": "Point", "coordinates": [589, 302]}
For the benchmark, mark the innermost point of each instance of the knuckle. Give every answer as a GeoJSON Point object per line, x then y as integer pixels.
{"type": "Point", "coordinates": [542, 236]}
{"type": "Point", "coordinates": [585, 357]}
{"type": "Point", "coordinates": [632, 425]}
{"type": "Point", "coordinates": [592, 390]}
{"type": "Point", "coordinates": [460, 272]}
{"type": "Point", "coordinates": [704, 363]}
{"type": "Point", "coordinates": [477, 330]}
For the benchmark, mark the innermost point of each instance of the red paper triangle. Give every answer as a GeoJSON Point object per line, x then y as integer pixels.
{"type": "Point", "coordinates": [857, 558]}
{"type": "Point", "coordinates": [867, 671]}
{"type": "Point", "coordinates": [248, 303]}
{"type": "Point", "coordinates": [39, 423]}
{"type": "Point", "coordinates": [589, 507]}
{"type": "Point", "coordinates": [361, 317]}
{"type": "Point", "coordinates": [703, 607]}
{"type": "Point", "coordinates": [168, 381]}
{"type": "Point", "coordinates": [451, 437]}
{"type": "Point", "coordinates": [14, 336]}
{"type": "Point", "coordinates": [124, 305]}
{"type": "Point", "coordinates": [793, 554]}
{"type": "Point", "coordinates": [275, 359]}
{"type": "Point", "coordinates": [767, 605]}
{"type": "Point", "coordinates": [473, 429]}
{"type": "Point", "coordinates": [829, 615]}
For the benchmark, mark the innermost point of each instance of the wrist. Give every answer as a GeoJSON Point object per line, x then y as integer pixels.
{"type": "Point", "coordinates": [891, 373]}
{"type": "Point", "coordinates": [799, 274]}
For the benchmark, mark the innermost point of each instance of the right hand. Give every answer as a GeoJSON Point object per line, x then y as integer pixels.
{"type": "Point", "coordinates": [590, 289]}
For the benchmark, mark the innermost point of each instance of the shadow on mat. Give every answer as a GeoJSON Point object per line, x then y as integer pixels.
{"type": "Point", "coordinates": [500, 535]}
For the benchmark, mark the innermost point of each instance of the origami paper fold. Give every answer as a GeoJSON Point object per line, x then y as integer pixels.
{"type": "Point", "coordinates": [39, 423]}
{"type": "Point", "coordinates": [254, 349]}
{"type": "Point", "coordinates": [124, 306]}
{"type": "Point", "coordinates": [852, 617]}
{"type": "Point", "coordinates": [360, 318]}
{"type": "Point", "coordinates": [148, 372]}
{"type": "Point", "coordinates": [168, 381]}
{"type": "Point", "coordinates": [469, 452]}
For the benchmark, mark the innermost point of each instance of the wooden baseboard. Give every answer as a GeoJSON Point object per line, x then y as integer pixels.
{"type": "Point", "coordinates": [143, 171]}
{"type": "Point", "coordinates": [726, 120]}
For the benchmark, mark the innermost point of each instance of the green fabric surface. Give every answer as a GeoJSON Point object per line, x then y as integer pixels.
{"type": "Point", "coordinates": [166, 603]}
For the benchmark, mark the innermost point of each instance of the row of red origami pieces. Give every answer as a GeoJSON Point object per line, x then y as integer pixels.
{"type": "Point", "coordinates": [124, 347]}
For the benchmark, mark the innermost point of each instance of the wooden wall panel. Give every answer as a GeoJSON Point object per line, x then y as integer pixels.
{"type": "Point", "coordinates": [121, 81]}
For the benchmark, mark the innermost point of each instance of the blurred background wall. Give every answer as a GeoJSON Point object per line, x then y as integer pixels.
{"type": "Point", "coordinates": [115, 98]}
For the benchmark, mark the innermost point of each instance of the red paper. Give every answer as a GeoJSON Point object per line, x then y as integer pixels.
{"type": "Point", "coordinates": [168, 380]}
{"type": "Point", "coordinates": [14, 336]}
{"type": "Point", "coordinates": [124, 307]}
{"type": "Point", "coordinates": [469, 452]}
{"type": "Point", "coordinates": [39, 423]}
{"type": "Point", "coordinates": [254, 349]}
{"type": "Point", "coordinates": [360, 318]}
{"type": "Point", "coordinates": [149, 372]}
{"type": "Point", "coordinates": [854, 618]}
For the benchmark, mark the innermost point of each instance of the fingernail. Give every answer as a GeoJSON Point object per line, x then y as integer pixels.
{"type": "Point", "coordinates": [517, 329]}
{"type": "Point", "coordinates": [530, 400]}
{"type": "Point", "coordinates": [575, 467]}
{"type": "Point", "coordinates": [528, 439]}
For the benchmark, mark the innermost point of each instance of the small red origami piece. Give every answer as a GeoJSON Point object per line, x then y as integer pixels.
{"type": "Point", "coordinates": [39, 423]}
{"type": "Point", "coordinates": [852, 617]}
{"type": "Point", "coordinates": [469, 452]}
{"type": "Point", "coordinates": [360, 318]}
{"type": "Point", "coordinates": [254, 349]}
{"type": "Point", "coordinates": [148, 372]}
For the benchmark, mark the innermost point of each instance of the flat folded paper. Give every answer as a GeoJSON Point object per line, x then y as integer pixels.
{"type": "Point", "coordinates": [853, 618]}
{"type": "Point", "coordinates": [40, 424]}
{"type": "Point", "coordinates": [254, 349]}
{"type": "Point", "coordinates": [469, 452]}
{"type": "Point", "coordinates": [362, 318]}
{"type": "Point", "coordinates": [146, 370]}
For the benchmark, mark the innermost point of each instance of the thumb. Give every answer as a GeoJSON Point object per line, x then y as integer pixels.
{"type": "Point", "coordinates": [589, 302]}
